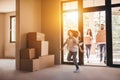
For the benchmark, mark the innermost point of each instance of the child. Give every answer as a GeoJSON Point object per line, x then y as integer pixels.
{"type": "Point", "coordinates": [72, 46]}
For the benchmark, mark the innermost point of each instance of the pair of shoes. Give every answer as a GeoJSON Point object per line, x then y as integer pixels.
{"type": "Point", "coordinates": [77, 71]}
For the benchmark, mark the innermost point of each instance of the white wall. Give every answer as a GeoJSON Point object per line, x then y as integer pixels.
{"type": "Point", "coordinates": [9, 47]}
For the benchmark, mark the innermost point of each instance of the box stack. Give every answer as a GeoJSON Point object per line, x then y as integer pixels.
{"type": "Point", "coordinates": [37, 40]}
{"type": "Point", "coordinates": [87, 40]}
{"type": "Point", "coordinates": [41, 47]}
{"type": "Point", "coordinates": [36, 56]}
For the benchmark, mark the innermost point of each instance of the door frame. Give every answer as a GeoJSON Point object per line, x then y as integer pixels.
{"type": "Point", "coordinates": [110, 30]}
{"type": "Point", "coordinates": [107, 8]}
{"type": "Point", "coordinates": [62, 55]}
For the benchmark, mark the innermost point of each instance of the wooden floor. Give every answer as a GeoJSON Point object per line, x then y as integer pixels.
{"type": "Point", "coordinates": [58, 72]}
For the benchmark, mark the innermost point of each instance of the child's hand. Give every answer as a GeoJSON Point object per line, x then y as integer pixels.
{"type": "Point", "coordinates": [82, 51]}
{"type": "Point", "coordinates": [61, 49]}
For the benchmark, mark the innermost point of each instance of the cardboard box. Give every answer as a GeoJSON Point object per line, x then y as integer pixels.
{"type": "Point", "coordinates": [41, 47]}
{"type": "Point", "coordinates": [35, 36]}
{"type": "Point", "coordinates": [87, 40]}
{"type": "Point", "coordinates": [27, 53]}
{"type": "Point", "coordinates": [101, 37]}
{"type": "Point", "coordinates": [29, 65]}
{"type": "Point", "coordinates": [46, 61]}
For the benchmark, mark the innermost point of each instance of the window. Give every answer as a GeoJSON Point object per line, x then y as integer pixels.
{"type": "Point", "coordinates": [115, 34]}
{"type": "Point", "coordinates": [92, 3]}
{"type": "Point", "coordinates": [93, 21]}
{"type": "Point", "coordinates": [12, 29]}
{"type": "Point", "coordinates": [73, 5]}
{"type": "Point", "coordinates": [115, 1]}
{"type": "Point", "coordinates": [70, 21]}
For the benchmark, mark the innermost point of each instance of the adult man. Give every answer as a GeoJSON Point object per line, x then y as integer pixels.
{"type": "Point", "coordinates": [101, 40]}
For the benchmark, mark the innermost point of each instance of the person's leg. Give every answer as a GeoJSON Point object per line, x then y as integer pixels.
{"type": "Point", "coordinates": [101, 52]}
{"type": "Point", "coordinates": [87, 51]}
{"type": "Point", "coordinates": [105, 54]}
{"type": "Point", "coordinates": [75, 60]}
{"type": "Point", "coordinates": [69, 56]}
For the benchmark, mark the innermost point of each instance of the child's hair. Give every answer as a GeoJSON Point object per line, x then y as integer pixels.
{"type": "Point", "coordinates": [75, 33]}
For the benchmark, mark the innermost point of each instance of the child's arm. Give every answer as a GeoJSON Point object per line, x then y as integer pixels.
{"type": "Point", "coordinates": [63, 45]}
{"type": "Point", "coordinates": [81, 50]}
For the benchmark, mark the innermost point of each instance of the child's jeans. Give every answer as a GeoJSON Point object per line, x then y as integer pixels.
{"type": "Point", "coordinates": [74, 54]}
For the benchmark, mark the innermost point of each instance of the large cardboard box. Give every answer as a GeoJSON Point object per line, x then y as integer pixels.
{"type": "Point", "coordinates": [41, 47]}
{"type": "Point", "coordinates": [87, 40]}
{"type": "Point", "coordinates": [29, 65]}
{"type": "Point", "coordinates": [46, 61]}
{"type": "Point", "coordinates": [35, 36]}
{"type": "Point", "coordinates": [27, 53]}
{"type": "Point", "coordinates": [101, 37]}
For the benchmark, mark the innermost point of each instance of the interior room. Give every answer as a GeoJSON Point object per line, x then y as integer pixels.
{"type": "Point", "coordinates": [8, 32]}
{"type": "Point", "coordinates": [33, 33]}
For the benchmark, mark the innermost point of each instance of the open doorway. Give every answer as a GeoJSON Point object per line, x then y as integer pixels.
{"type": "Point", "coordinates": [94, 38]}
{"type": "Point", "coordinates": [91, 20]}
{"type": "Point", "coordinates": [7, 33]}
{"type": "Point", "coordinates": [70, 22]}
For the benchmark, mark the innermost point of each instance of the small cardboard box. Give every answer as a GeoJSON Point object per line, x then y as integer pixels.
{"type": "Point", "coordinates": [87, 40]}
{"type": "Point", "coordinates": [101, 37]}
{"type": "Point", "coordinates": [29, 65]}
{"type": "Point", "coordinates": [41, 47]}
{"type": "Point", "coordinates": [35, 36]}
{"type": "Point", "coordinates": [27, 53]}
{"type": "Point", "coordinates": [46, 61]}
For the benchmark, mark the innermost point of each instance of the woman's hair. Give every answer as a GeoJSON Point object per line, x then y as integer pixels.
{"type": "Point", "coordinates": [90, 32]}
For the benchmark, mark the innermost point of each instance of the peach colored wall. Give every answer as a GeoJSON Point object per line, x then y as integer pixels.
{"type": "Point", "coordinates": [2, 23]}
{"type": "Point", "coordinates": [51, 26]}
{"type": "Point", "coordinates": [9, 47]}
{"type": "Point", "coordinates": [28, 20]}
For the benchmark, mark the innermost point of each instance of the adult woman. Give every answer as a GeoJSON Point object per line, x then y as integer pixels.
{"type": "Point", "coordinates": [88, 43]}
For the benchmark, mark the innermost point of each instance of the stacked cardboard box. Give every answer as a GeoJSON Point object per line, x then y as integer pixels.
{"type": "Point", "coordinates": [36, 56]}
{"type": "Point", "coordinates": [35, 36]}
{"type": "Point", "coordinates": [101, 37]}
{"type": "Point", "coordinates": [29, 65]}
{"type": "Point", "coordinates": [46, 61]}
{"type": "Point", "coordinates": [41, 47]}
{"type": "Point", "coordinates": [37, 40]}
{"type": "Point", "coordinates": [87, 40]}
{"type": "Point", "coordinates": [28, 53]}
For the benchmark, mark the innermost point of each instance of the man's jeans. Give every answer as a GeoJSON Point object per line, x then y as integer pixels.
{"type": "Point", "coordinates": [103, 52]}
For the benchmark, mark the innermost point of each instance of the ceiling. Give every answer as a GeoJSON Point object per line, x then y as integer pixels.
{"type": "Point", "coordinates": [7, 6]}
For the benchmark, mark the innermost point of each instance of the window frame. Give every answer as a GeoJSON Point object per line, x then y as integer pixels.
{"type": "Point", "coordinates": [11, 29]}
